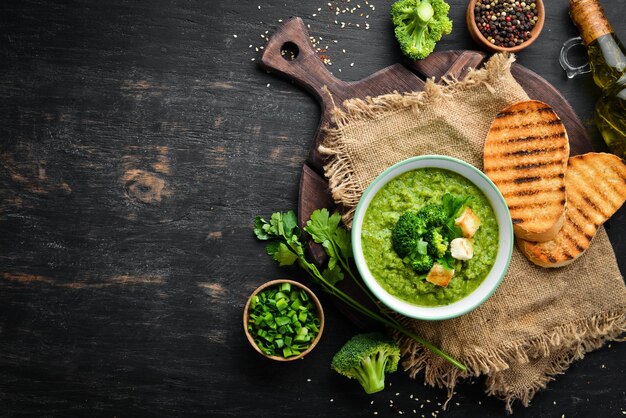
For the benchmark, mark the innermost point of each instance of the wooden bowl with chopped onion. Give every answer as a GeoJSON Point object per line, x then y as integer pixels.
{"type": "Point", "coordinates": [283, 320]}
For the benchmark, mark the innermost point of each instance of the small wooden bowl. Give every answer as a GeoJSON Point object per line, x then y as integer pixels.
{"type": "Point", "coordinates": [482, 41]}
{"type": "Point", "coordinates": [318, 307]}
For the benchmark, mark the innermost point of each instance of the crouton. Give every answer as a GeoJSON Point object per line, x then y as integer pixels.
{"type": "Point", "coordinates": [468, 222]}
{"type": "Point", "coordinates": [462, 248]}
{"type": "Point", "coordinates": [440, 275]}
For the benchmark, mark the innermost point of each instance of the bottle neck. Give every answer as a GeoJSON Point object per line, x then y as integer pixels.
{"type": "Point", "coordinates": [589, 17]}
{"type": "Point", "coordinates": [607, 56]}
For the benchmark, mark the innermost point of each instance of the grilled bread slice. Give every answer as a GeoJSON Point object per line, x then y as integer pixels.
{"type": "Point", "coordinates": [525, 155]}
{"type": "Point", "coordinates": [596, 189]}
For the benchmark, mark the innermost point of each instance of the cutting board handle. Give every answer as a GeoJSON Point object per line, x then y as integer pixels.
{"type": "Point", "coordinates": [289, 52]}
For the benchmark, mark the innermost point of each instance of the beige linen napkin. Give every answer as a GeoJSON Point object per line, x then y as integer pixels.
{"type": "Point", "coordinates": [539, 320]}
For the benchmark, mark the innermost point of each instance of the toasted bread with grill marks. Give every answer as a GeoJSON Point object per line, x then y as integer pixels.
{"type": "Point", "coordinates": [525, 155]}
{"type": "Point", "coordinates": [596, 189]}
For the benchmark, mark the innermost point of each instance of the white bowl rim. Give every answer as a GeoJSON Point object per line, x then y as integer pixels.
{"type": "Point", "coordinates": [505, 238]}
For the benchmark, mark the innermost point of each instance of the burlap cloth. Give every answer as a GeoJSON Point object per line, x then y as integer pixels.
{"type": "Point", "coordinates": [539, 320]}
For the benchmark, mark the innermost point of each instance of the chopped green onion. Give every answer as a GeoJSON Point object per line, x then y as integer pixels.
{"type": "Point", "coordinates": [283, 321]}
{"type": "Point", "coordinates": [282, 304]}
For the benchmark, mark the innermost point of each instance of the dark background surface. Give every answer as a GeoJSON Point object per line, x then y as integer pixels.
{"type": "Point", "coordinates": [137, 142]}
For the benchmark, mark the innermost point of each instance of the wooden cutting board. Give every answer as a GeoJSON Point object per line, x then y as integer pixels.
{"type": "Point", "coordinates": [289, 53]}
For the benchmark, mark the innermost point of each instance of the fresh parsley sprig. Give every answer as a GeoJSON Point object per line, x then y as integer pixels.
{"type": "Point", "coordinates": [286, 247]}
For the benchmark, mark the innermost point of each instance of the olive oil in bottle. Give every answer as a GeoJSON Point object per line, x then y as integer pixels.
{"type": "Point", "coordinates": [607, 59]}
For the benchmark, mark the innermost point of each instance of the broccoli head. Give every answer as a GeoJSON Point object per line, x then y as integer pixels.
{"type": "Point", "coordinates": [434, 215]}
{"type": "Point", "coordinates": [407, 232]}
{"type": "Point", "coordinates": [437, 243]}
{"type": "Point", "coordinates": [421, 263]}
{"type": "Point", "coordinates": [419, 24]}
{"type": "Point", "coordinates": [366, 358]}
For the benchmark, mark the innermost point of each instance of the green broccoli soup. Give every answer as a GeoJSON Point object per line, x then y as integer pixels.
{"type": "Point", "coordinates": [430, 237]}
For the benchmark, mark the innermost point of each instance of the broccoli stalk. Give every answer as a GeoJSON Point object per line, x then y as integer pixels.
{"type": "Point", "coordinates": [366, 358]}
{"type": "Point", "coordinates": [419, 24]}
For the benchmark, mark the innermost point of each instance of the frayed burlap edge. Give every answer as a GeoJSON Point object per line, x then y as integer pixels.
{"type": "Point", "coordinates": [572, 340]}
{"type": "Point", "coordinates": [339, 168]}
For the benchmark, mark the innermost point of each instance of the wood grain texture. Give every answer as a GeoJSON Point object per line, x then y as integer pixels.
{"type": "Point", "coordinates": [138, 140]}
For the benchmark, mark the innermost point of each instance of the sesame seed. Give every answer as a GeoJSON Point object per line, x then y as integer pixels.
{"type": "Point", "coordinates": [308, 380]}
{"type": "Point", "coordinates": [259, 7]}
{"type": "Point", "coordinates": [351, 64]}
{"type": "Point", "coordinates": [268, 84]}
{"type": "Point", "coordinates": [332, 400]}
{"type": "Point", "coordinates": [234, 36]}
{"type": "Point", "coordinates": [252, 59]}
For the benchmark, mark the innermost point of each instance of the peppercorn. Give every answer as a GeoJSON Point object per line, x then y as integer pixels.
{"type": "Point", "coordinates": [505, 23]}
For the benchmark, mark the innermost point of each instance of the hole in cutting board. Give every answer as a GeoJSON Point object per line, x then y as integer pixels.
{"type": "Point", "coordinates": [289, 51]}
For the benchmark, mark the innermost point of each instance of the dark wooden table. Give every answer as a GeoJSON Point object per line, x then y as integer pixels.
{"type": "Point", "coordinates": [138, 139]}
